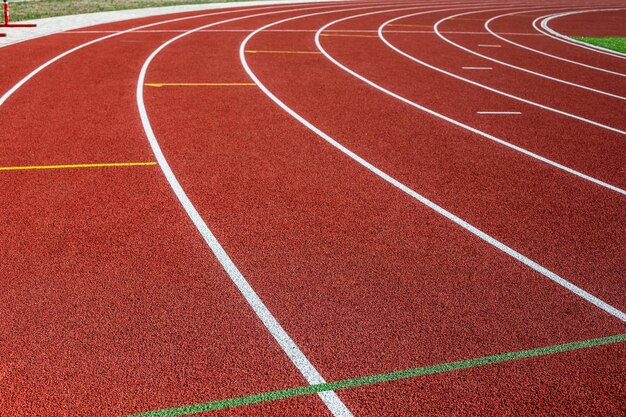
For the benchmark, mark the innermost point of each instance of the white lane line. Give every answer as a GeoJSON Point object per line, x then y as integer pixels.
{"type": "Point", "coordinates": [558, 36]}
{"type": "Point", "coordinates": [383, 175]}
{"type": "Point", "coordinates": [467, 80]}
{"type": "Point", "coordinates": [489, 46]}
{"type": "Point", "coordinates": [498, 112]}
{"type": "Point", "coordinates": [477, 68]}
{"type": "Point", "coordinates": [313, 377]}
{"type": "Point", "coordinates": [448, 119]}
{"type": "Point", "coordinates": [330, 398]}
{"type": "Point", "coordinates": [506, 64]}
{"type": "Point", "coordinates": [519, 45]}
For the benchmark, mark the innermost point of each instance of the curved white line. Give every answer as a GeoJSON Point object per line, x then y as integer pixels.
{"type": "Point", "coordinates": [560, 58]}
{"type": "Point", "coordinates": [547, 30]}
{"type": "Point", "coordinates": [388, 178]}
{"type": "Point", "coordinates": [330, 398]}
{"type": "Point", "coordinates": [297, 357]}
{"type": "Point", "coordinates": [506, 64]}
{"type": "Point", "coordinates": [494, 90]}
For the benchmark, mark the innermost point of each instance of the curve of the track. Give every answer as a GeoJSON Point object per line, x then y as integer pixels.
{"type": "Point", "coordinates": [123, 281]}
{"type": "Point", "coordinates": [361, 277]}
{"type": "Point", "coordinates": [613, 28]}
{"type": "Point", "coordinates": [557, 50]}
{"type": "Point", "coordinates": [561, 97]}
{"type": "Point", "coordinates": [321, 227]}
{"type": "Point", "coordinates": [525, 62]}
{"type": "Point", "coordinates": [457, 75]}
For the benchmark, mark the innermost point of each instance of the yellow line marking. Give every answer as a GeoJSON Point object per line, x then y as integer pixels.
{"type": "Point", "coordinates": [283, 52]}
{"type": "Point", "coordinates": [348, 36]}
{"type": "Point", "coordinates": [197, 84]}
{"type": "Point", "coordinates": [411, 26]}
{"type": "Point", "coordinates": [469, 19]}
{"type": "Point", "coordinates": [113, 164]}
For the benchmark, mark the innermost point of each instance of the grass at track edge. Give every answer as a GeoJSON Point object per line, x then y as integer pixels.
{"type": "Point", "coordinates": [614, 43]}
{"type": "Point", "coordinates": [379, 378]}
{"type": "Point", "coordinates": [37, 9]}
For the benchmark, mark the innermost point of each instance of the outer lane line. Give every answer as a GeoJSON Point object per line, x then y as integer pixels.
{"type": "Point", "coordinates": [71, 166]}
{"type": "Point", "coordinates": [384, 377]}
{"type": "Point", "coordinates": [297, 357]}
{"type": "Point", "coordinates": [486, 87]}
{"type": "Point", "coordinates": [488, 29]}
{"type": "Point", "coordinates": [388, 178]}
{"type": "Point", "coordinates": [506, 64]}
{"type": "Point", "coordinates": [556, 35]}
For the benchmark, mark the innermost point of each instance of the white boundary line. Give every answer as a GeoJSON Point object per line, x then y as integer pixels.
{"type": "Point", "coordinates": [494, 90]}
{"type": "Point", "coordinates": [560, 58]}
{"type": "Point", "coordinates": [330, 398]}
{"type": "Point", "coordinates": [506, 64]}
{"type": "Point", "coordinates": [386, 177]}
{"type": "Point", "coordinates": [556, 35]}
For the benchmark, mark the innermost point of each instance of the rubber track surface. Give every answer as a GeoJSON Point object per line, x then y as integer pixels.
{"type": "Point", "coordinates": [113, 304]}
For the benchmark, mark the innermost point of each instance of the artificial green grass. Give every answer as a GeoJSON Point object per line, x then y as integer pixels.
{"type": "Point", "coordinates": [37, 9]}
{"type": "Point", "coordinates": [381, 378]}
{"type": "Point", "coordinates": [614, 43]}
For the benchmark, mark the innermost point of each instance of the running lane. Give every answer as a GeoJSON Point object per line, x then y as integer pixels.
{"type": "Point", "coordinates": [597, 23]}
{"type": "Point", "coordinates": [364, 278]}
{"type": "Point", "coordinates": [417, 74]}
{"type": "Point", "coordinates": [19, 59]}
{"type": "Point", "coordinates": [569, 98]}
{"type": "Point", "coordinates": [523, 58]}
{"type": "Point", "coordinates": [111, 301]}
{"type": "Point", "coordinates": [516, 199]}
{"type": "Point", "coordinates": [592, 23]}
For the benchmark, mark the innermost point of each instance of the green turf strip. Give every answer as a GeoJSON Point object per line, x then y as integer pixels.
{"type": "Point", "coordinates": [375, 379]}
{"type": "Point", "coordinates": [614, 43]}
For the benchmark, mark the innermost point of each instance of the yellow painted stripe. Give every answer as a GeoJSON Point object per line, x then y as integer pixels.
{"type": "Point", "coordinates": [69, 166]}
{"type": "Point", "coordinates": [198, 84]}
{"type": "Point", "coordinates": [469, 19]}
{"type": "Point", "coordinates": [283, 52]}
{"type": "Point", "coordinates": [348, 36]}
{"type": "Point", "coordinates": [411, 26]}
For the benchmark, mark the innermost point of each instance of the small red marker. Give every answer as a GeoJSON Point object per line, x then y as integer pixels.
{"type": "Point", "coordinates": [8, 24]}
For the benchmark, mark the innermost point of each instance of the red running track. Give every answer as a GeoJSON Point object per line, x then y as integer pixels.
{"type": "Point", "coordinates": [114, 304]}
